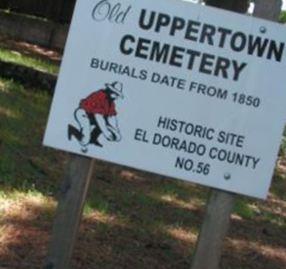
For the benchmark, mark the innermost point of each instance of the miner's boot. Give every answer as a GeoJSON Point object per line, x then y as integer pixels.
{"type": "Point", "coordinates": [74, 132]}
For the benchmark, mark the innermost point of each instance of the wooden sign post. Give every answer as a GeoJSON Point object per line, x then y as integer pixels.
{"type": "Point", "coordinates": [175, 85]}
{"type": "Point", "coordinates": [220, 205]}
{"type": "Point", "coordinates": [214, 230]}
{"type": "Point", "coordinates": [71, 200]}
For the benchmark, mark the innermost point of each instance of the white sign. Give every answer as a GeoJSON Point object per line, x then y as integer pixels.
{"type": "Point", "coordinates": [174, 88]}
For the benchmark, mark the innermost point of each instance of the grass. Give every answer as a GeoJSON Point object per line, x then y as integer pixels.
{"type": "Point", "coordinates": [24, 163]}
{"type": "Point", "coordinates": [28, 61]}
{"type": "Point", "coordinates": [17, 198]}
{"type": "Point", "coordinates": [96, 202]}
{"type": "Point", "coordinates": [244, 209]}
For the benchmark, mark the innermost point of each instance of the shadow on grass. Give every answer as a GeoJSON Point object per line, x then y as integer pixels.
{"type": "Point", "coordinates": [133, 219]}
{"type": "Point", "coordinates": [165, 230]}
{"type": "Point", "coordinates": [145, 200]}
{"type": "Point", "coordinates": [129, 224]}
{"type": "Point", "coordinates": [24, 162]}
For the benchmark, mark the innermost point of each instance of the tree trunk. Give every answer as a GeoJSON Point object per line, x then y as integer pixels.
{"type": "Point", "coordinates": [269, 9]}
{"type": "Point", "coordinates": [240, 6]}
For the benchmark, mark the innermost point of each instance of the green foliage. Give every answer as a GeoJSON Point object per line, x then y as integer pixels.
{"type": "Point", "coordinates": [282, 17]}
{"type": "Point", "coordinates": [282, 151]}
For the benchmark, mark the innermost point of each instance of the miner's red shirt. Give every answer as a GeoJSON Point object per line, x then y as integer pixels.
{"type": "Point", "coordinates": [98, 103]}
